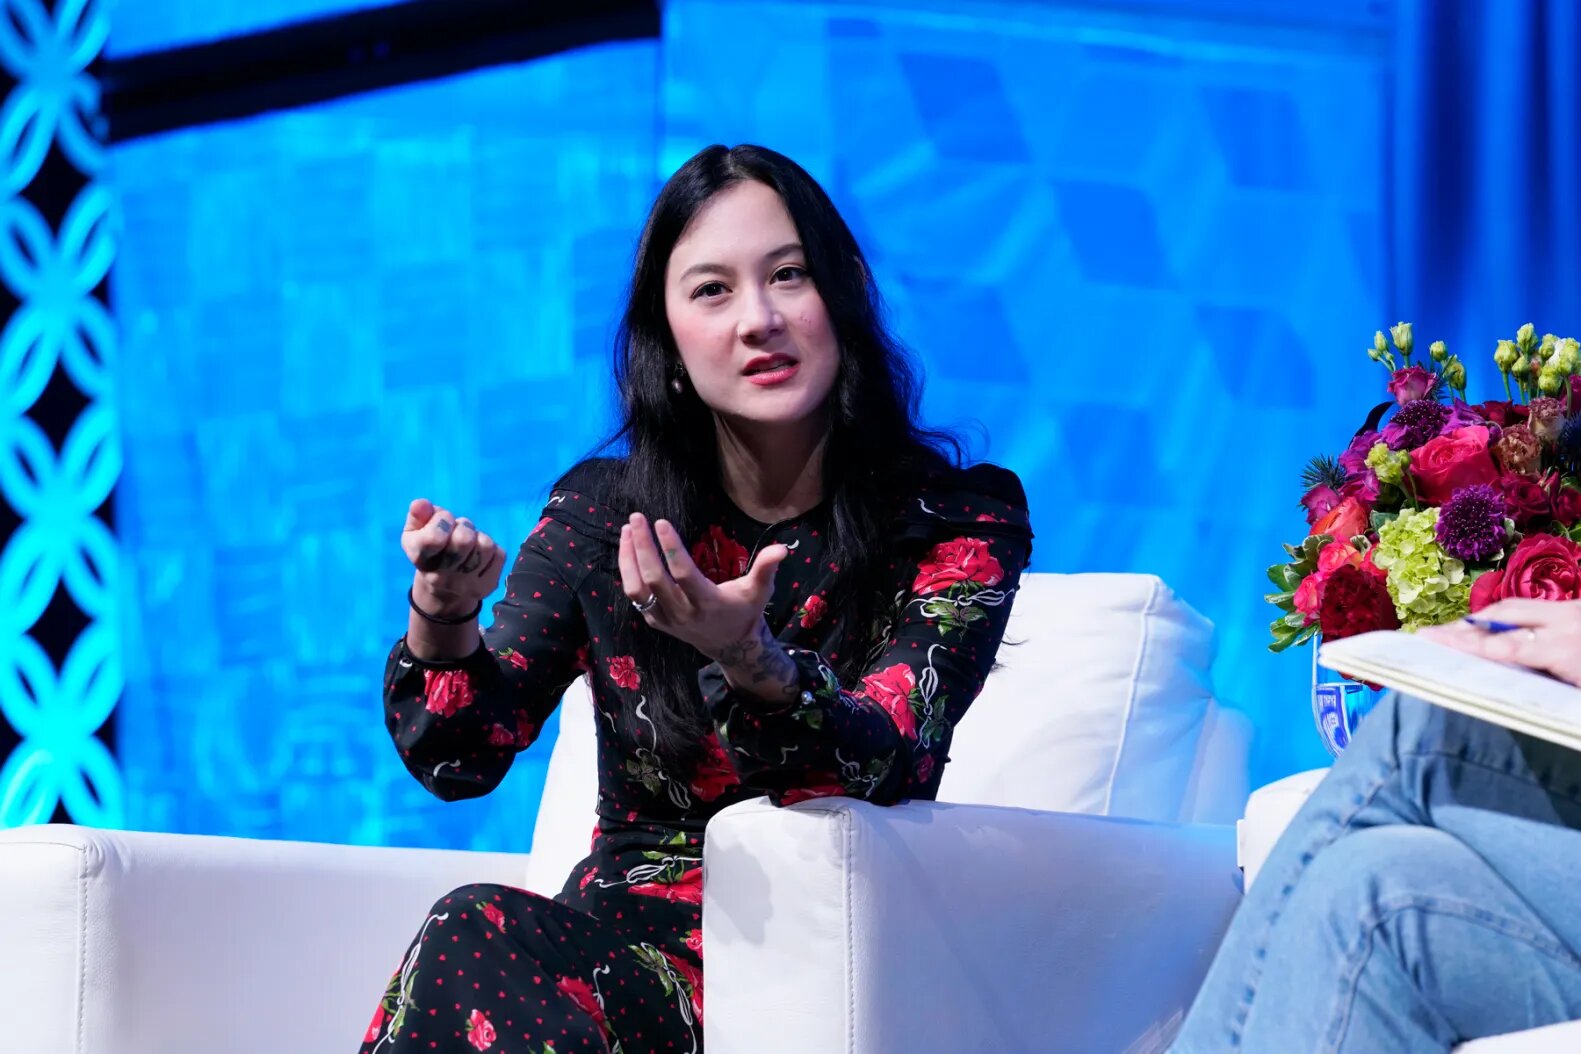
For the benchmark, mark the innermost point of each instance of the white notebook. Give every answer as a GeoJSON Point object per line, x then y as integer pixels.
{"type": "Point", "coordinates": [1511, 696]}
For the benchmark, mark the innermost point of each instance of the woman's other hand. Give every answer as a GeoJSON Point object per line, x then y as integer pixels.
{"type": "Point", "coordinates": [1549, 638]}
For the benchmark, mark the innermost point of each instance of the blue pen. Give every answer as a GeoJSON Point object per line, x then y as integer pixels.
{"type": "Point", "coordinates": [1488, 625]}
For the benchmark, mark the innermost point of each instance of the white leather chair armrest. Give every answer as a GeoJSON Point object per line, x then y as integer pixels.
{"type": "Point", "coordinates": [1555, 1039]}
{"type": "Point", "coordinates": [835, 925]}
{"type": "Point", "coordinates": [117, 942]}
{"type": "Point", "coordinates": [1268, 812]}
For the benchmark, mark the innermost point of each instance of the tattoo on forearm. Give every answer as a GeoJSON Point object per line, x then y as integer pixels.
{"type": "Point", "coordinates": [759, 663]}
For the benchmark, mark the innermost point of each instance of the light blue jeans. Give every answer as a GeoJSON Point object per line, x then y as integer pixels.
{"type": "Point", "coordinates": [1429, 892]}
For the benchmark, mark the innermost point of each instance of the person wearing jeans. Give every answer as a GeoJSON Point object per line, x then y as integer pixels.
{"type": "Point", "coordinates": [1428, 892]}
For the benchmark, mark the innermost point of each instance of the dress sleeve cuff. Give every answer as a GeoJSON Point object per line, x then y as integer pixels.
{"type": "Point", "coordinates": [814, 679]}
{"type": "Point", "coordinates": [470, 662]}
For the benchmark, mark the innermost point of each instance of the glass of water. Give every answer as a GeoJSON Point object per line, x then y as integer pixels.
{"type": "Point", "coordinates": [1338, 704]}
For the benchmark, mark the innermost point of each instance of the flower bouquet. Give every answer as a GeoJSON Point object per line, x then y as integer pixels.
{"type": "Point", "coordinates": [1439, 507]}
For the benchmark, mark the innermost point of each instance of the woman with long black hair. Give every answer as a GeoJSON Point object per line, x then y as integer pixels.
{"type": "Point", "coordinates": [781, 585]}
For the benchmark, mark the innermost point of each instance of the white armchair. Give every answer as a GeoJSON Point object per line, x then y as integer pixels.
{"type": "Point", "coordinates": [936, 927]}
{"type": "Point", "coordinates": [923, 927]}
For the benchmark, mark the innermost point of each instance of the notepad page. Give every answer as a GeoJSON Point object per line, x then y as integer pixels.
{"type": "Point", "coordinates": [1479, 686]}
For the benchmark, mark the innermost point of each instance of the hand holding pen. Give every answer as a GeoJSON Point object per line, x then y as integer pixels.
{"type": "Point", "coordinates": [1541, 635]}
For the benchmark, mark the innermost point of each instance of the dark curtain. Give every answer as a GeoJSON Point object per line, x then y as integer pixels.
{"type": "Point", "coordinates": [1486, 167]}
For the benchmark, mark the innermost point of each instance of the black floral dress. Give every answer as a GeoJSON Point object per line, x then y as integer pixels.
{"type": "Point", "coordinates": [614, 962]}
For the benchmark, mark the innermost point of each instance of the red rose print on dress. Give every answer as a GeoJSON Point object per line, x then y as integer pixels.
{"type": "Point", "coordinates": [813, 611]}
{"type": "Point", "coordinates": [715, 774]}
{"type": "Point", "coordinates": [581, 993]}
{"type": "Point", "coordinates": [500, 736]}
{"type": "Point", "coordinates": [623, 671]}
{"type": "Point", "coordinates": [956, 561]}
{"type": "Point", "coordinates": [447, 691]}
{"type": "Point", "coordinates": [375, 1025]}
{"type": "Point", "coordinates": [720, 557]}
{"type": "Point", "coordinates": [493, 914]}
{"type": "Point", "coordinates": [924, 768]}
{"type": "Point", "coordinates": [891, 688]}
{"type": "Point", "coordinates": [688, 889]}
{"type": "Point", "coordinates": [694, 940]}
{"type": "Point", "coordinates": [514, 657]}
{"type": "Point", "coordinates": [480, 1031]}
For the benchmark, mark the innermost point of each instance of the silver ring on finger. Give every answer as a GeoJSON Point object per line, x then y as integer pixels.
{"type": "Point", "coordinates": [1531, 635]}
{"type": "Point", "coordinates": [646, 605]}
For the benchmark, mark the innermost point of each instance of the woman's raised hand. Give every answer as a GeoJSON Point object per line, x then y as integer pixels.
{"type": "Point", "coordinates": [457, 565]}
{"type": "Point", "coordinates": [1549, 638]}
{"type": "Point", "coordinates": [662, 582]}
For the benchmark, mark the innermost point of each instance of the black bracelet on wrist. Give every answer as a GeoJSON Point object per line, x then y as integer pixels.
{"type": "Point", "coordinates": [444, 620]}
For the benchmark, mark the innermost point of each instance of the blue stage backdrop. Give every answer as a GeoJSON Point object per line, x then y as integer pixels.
{"type": "Point", "coordinates": [328, 313]}
{"type": "Point", "coordinates": [1144, 249]}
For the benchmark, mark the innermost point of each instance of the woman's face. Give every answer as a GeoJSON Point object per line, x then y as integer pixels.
{"type": "Point", "coordinates": [747, 319]}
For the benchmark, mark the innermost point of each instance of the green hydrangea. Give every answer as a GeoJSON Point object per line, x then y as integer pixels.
{"type": "Point", "coordinates": [1388, 465]}
{"type": "Point", "coordinates": [1428, 586]}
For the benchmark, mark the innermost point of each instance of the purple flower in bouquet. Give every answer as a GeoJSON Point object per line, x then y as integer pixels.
{"type": "Point", "coordinates": [1415, 423]}
{"type": "Point", "coordinates": [1319, 502]}
{"type": "Point", "coordinates": [1411, 384]}
{"type": "Point", "coordinates": [1363, 487]}
{"type": "Point", "coordinates": [1462, 414]}
{"type": "Point", "coordinates": [1471, 523]}
{"type": "Point", "coordinates": [1354, 459]}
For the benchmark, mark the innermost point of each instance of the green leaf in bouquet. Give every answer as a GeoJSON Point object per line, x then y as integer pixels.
{"type": "Point", "coordinates": [1295, 620]}
{"type": "Point", "coordinates": [1312, 546]}
{"type": "Point", "coordinates": [1378, 519]}
{"type": "Point", "coordinates": [1281, 600]}
{"type": "Point", "coordinates": [1285, 637]}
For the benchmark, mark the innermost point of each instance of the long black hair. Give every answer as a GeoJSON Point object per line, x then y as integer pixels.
{"type": "Point", "coordinates": [875, 451]}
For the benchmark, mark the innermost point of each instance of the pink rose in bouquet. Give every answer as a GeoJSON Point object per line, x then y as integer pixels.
{"type": "Point", "coordinates": [1542, 567]}
{"type": "Point", "coordinates": [1412, 383]}
{"type": "Point", "coordinates": [1459, 459]}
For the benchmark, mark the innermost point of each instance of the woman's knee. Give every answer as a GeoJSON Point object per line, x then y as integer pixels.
{"type": "Point", "coordinates": [464, 900]}
{"type": "Point", "coordinates": [1374, 870]}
